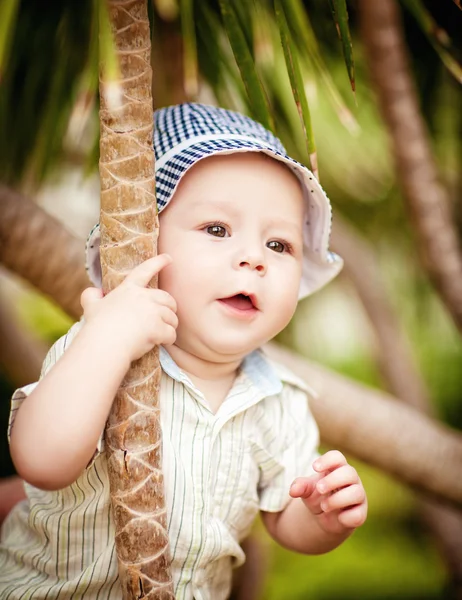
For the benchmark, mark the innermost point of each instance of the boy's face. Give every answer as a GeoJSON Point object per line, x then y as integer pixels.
{"type": "Point", "coordinates": [234, 231]}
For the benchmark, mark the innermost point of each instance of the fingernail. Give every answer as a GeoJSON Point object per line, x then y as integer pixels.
{"type": "Point", "coordinates": [321, 488]}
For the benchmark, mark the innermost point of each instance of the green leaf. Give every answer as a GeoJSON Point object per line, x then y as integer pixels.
{"type": "Point", "coordinates": [296, 82]}
{"type": "Point", "coordinates": [8, 14]}
{"type": "Point", "coordinates": [244, 17]}
{"type": "Point", "coordinates": [300, 25]}
{"type": "Point", "coordinates": [216, 61]}
{"type": "Point", "coordinates": [191, 81]}
{"type": "Point", "coordinates": [257, 98]}
{"type": "Point", "coordinates": [340, 14]}
{"type": "Point", "coordinates": [437, 36]}
{"type": "Point", "coordinates": [49, 52]}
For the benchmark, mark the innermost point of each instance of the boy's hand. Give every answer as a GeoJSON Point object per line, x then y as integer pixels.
{"type": "Point", "coordinates": [133, 316]}
{"type": "Point", "coordinates": [335, 494]}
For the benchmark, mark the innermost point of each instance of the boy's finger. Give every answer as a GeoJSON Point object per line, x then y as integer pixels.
{"type": "Point", "coordinates": [347, 497]}
{"type": "Point", "coordinates": [145, 271]}
{"type": "Point", "coordinates": [337, 479]}
{"type": "Point", "coordinates": [169, 317]}
{"type": "Point", "coordinates": [303, 487]}
{"type": "Point", "coordinates": [89, 296]}
{"type": "Point", "coordinates": [353, 517]}
{"type": "Point", "coordinates": [329, 461]}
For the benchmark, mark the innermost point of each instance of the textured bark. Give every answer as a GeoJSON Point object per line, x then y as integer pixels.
{"type": "Point", "coordinates": [426, 197]}
{"type": "Point", "coordinates": [400, 374]}
{"type": "Point", "coordinates": [373, 426]}
{"type": "Point", "coordinates": [128, 237]}
{"type": "Point", "coordinates": [39, 249]}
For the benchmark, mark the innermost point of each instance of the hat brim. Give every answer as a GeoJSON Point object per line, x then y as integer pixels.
{"type": "Point", "coordinates": [320, 265]}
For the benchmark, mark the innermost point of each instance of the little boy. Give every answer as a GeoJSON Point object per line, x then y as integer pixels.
{"type": "Point", "coordinates": [243, 235]}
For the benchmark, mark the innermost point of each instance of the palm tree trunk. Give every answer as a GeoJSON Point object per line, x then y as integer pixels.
{"type": "Point", "coordinates": [426, 197]}
{"type": "Point", "coordinates": [128, 237]}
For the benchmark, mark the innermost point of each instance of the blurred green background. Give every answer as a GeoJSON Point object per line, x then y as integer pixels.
{"type": "Point", "coordinates": [393, 555]}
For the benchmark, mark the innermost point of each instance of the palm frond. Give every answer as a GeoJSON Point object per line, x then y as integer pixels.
{"type": "Point", "coordinates": [244, 58]}
{"type": "Point", "coordinates": [303, 34]}
{"type": "Point", "coordinates": [190, 69]}
{"type": "Point", "coordinates": [437, 36]}
{"type": "Point", "coordinates": [216, 62]}
{"type": "Point", "coordinates": [49, 57]}
{"type": "Point", "coordinates": [340, 15]}
{"type": "Point", "coordinates": [8, 14]}
{"type": "Point", "coordinates": [296, 81]}
{"type": "Point", "coordinates": [48, 54]}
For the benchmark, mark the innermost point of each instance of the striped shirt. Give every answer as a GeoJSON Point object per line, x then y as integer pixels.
{"type": "Point", "coordinates": [220, 470]}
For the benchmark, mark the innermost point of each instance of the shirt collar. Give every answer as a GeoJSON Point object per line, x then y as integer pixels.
{"type": "Point", "coordinates": [255, 367]}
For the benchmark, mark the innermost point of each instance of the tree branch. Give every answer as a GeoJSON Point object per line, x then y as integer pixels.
{"type": "Point", "coordinates": [376, 428]}
{"type": "Point", "coordinates": [400, 374]}
{"type": "Point", "coordinates": [426, 197]}
{"type": "Point", "coordinates": [39, 249]}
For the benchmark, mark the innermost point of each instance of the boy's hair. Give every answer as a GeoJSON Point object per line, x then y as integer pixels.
{"type": "Point", "coordinates": [187, 133]}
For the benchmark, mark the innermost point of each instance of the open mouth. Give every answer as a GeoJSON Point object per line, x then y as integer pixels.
{"type": "Point", "coordinates": [240, 302]}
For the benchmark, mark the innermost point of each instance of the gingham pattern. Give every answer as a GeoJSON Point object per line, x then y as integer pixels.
{"type": "Point", "coordinates": [182, 124]}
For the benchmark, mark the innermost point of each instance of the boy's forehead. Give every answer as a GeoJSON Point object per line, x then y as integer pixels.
{"type": "Point", "coordinates": [229, 183]}
{"type": "Point", "coordinates": [236, 170]}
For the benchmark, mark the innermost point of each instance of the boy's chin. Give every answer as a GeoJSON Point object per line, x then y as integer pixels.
{"type": "Point", "coordinates": [217, 351]}
{"type": "Point", "coordinates": [233, 349]}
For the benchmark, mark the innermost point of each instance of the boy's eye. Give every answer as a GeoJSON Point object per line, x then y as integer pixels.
{"type": "Point", "coordinates": [216, 230]}
{"type": "Point", "coordinates": [276, 246]}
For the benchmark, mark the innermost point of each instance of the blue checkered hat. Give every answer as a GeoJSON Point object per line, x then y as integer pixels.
{"type": "Point", "coordinates": [187, 133]}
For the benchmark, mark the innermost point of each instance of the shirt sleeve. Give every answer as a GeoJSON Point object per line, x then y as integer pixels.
{"type": "Point", "coordinates": [54, 354]}
{"type": "Point", "coordinates": [293, 455]}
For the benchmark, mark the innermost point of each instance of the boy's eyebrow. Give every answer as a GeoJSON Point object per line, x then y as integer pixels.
{"type": "Point", "coordinates": [296, 227]}
{"type": "Point", "coordinates": [225, 206]}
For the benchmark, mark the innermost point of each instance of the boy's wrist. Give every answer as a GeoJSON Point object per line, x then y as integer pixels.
{"type": "Point", "coordinates": [102, 342]}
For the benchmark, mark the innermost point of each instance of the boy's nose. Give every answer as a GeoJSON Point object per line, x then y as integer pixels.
{"type": "Point", "coordinates": [253, 262]}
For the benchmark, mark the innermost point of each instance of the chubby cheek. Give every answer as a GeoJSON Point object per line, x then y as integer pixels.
{"type": "Point", "coordinates": [285, 286]}
{"type": "Point", "coordinates": [184, 288]}
{"type": "Point", "coordinates": [285, 309]}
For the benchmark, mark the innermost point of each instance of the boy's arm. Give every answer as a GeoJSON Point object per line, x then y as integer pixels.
{"type": "Point", "coordinates": [56, 428]}
{"type": "Point", "coordinates": [324, 509]}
